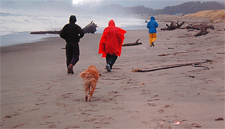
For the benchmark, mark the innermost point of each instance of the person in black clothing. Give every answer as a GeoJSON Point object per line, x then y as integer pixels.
{"type": "Point", "coordinates": [72, 33]}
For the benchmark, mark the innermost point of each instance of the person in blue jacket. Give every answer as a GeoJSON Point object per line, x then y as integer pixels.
{"type": "Point", "coordinates": [152, 25]}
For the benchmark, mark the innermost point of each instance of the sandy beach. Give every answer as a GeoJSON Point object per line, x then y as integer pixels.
{"type": "Point", "coordinates": [37, 92]}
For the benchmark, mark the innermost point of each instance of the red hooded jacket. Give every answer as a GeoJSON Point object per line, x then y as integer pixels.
{"type": "Point", "coordinates": [111, 40]}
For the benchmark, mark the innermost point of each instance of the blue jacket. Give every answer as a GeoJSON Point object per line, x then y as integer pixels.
{"type": "Point", "coordinates": [152, 25]}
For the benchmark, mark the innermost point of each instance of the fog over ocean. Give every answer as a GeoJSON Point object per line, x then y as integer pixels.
{"type": "Point", "coordinates": [17, 23]}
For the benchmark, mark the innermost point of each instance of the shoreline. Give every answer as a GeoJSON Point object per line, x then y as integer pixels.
{"type": "Point", "coordinates": [36, 91]}
{"type": "Point", "coordinates": [25, 37]}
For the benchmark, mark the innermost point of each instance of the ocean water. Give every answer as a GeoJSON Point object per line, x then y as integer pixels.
{"type": "Point", "coordinates": [16, 27]}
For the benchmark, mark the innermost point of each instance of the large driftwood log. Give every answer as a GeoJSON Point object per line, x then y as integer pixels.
{"type": "Point", "coordinates": [198, 64]}
{"type": "Point", "coordinates": [45, 32]}
{"type": "Point", "coordinates": [90, 28]}
{"type": "Point", "coordinates": [202, 27]}
{"type": "Point", "coordinates": [198, 27]}
{"type": "Point", "coordinates": [132, 44]}
{"type": "Point", "coordinates": [173, 26]}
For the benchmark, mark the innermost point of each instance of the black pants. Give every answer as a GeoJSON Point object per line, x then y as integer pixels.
{"type": "Point", "coordinates": [72, 53]}
{"type": "Point", "coordinates": [111, 59]}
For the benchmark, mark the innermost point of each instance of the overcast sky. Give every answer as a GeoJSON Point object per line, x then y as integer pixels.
{"type": "Point", "coordinates": [155, 4]}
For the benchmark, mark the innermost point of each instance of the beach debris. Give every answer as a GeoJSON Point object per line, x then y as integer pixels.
{"type": "Point", "coordinates": [90, 28]}
{"type": "Point", "coordinates": [173, 26]}
{"type": "Point", "coordinates": [221, 53]}
{"type": "Point", "coordinates": [219, 119]}
{"type": "Point", "coordinates": [8, 116]}
{"type": "Point", "coordinates": [176, 122]}
{"type": "Point", "coordinates": [163, 54]}
{"type": "Point", "coordinates": [45, 32]}
{"type": "Point", "coordinates": [202, 27]}
{"type": "Point", "coordinates": [198, 64]}
{"type": "Point", "coordinates": [198, 27]}
{"type": "Point", "coordinates": [196, 125]}
{"type": "Point", "coordinates": [202, 32]}
{"type": "Point", "coordinates": [192, 76]}
{"type": "Point", "coordinates": [132, 44]}
{"type": "Point", "coordinates": [170, 48]}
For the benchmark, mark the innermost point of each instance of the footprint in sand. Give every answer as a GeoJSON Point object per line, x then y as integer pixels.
{"type": "Point", "coordinates": [152, 104]}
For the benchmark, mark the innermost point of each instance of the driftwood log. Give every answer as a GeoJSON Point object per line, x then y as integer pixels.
{"type": "Point", "coordinates": [132, 44]}
{"type": "Point", "coordinates": [198, 27]}
{"type": "Point", "coordinates": [45, 32]}
{"type": "Point", "coordinates": [198, 64]}
{"type": "Point", "coordinates": [90, 28]}
{"type": "Point", "coordinates": [202, 27]}
{"type": "Point", "coordinates": [173, 26]}
{"type": "Point", "coordinates": [202, 32]}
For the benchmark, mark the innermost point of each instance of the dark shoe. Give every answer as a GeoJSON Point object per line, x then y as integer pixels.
{"type": "Point", "coordinates": [108, 68]}
{"type": "Point", "coordinates": [150, 45]}
{"type": "Point", "coordinates": [153, 44]}
{"type": "Point", "coordinates": [70, 69]}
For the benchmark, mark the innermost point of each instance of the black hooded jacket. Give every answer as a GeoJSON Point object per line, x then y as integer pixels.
{"type": "Point", "coordinates": [71, 32]}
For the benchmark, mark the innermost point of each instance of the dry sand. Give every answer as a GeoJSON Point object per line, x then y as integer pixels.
{"type": "Point", "coordinates": [36, 91]}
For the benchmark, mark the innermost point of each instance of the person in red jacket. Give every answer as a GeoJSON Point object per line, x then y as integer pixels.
{"type": "Point", "coordinates": [110, 45]}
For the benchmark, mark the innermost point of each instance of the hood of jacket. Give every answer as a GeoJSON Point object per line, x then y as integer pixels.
{"type": "Point", "coordinates": [111, 23]}
{"type": "Point", "coordinates": [152, 18]}
{"type": "Point", "coordinates": [73, 19]}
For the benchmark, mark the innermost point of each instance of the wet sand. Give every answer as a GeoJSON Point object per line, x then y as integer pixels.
{"type": "Point", "coordinates": [37, 92]}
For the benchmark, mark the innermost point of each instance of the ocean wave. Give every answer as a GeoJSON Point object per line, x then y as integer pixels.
{"type": "Point", "coordinates": [16, 23]}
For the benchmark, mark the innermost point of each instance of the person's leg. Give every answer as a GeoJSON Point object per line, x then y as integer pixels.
{"type": "Point", "coordinates": [74, 60]}
{"type": "Point", "coordinates": [75, 57]}
{"type": "Point", "coordinates": [107, 58]}
{"type": "Point", "coordinates": [112, 60]}
{"type": "Point", "coordinates": [154, 37]}
{"type": "Point", "coordinates": [150, 39]}
{"type": "Point", "coordinates": [75, 54]}
{"type": "Point", "coordinates": [68, 55]}
{"type": "Point", "coordinates": [68, 59]}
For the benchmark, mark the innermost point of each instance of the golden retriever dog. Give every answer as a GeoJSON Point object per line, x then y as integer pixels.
{"type": "Point", "coordinates": [90, 78]}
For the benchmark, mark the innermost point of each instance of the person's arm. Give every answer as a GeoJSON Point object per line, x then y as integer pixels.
{"type": "Point", "coordinates": [156, 25]}
{"type": "Point", "coordinates": [63, 32]}
{"type": "Point", "coordinates": [81, 32]}
{"type": "Point", "coordinates": [148, 25]}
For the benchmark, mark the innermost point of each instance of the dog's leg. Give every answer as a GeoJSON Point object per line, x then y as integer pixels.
{"type": "Point", "coordinates": [92, 90]}
{"type": "Point", "coordinates": [86, 96]}
{"type": "Point", "coordinates": [86, 93]}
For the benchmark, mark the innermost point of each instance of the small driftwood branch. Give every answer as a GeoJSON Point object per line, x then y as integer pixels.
{"type": "Point", "coordinates": [172, 66]}
{"type": "Point", "coordinates": [132, 44]}
{"type": "Point", "coordinates": [179, 25]}
{"type": "Point", "coordinates": [201, 33]}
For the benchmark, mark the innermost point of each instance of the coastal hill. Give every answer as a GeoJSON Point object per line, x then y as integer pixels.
{"type": "Point", "coordinates": [207, 16]}
{"type": "Point", "coordinates": [214, 16]}
{"type": "Point", "coordinates": [185, 8]}
{"type": "Point", "coordinates": [189, 7]}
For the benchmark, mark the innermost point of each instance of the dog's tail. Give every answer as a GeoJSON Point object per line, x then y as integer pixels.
{"type": "Point", "coordinates": [82, 74]}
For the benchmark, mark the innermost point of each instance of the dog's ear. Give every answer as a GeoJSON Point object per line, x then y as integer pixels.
{"type": "Point", "coordinates": [82, 74]}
